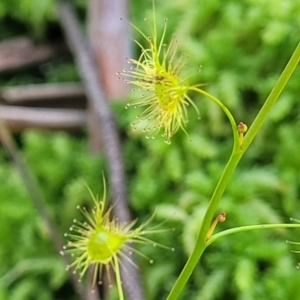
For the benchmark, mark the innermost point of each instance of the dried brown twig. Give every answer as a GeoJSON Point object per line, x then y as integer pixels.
{"type": "Point", "coordinates": [38, 202]}
{"type": "Point", "coordinates": [90, 77]}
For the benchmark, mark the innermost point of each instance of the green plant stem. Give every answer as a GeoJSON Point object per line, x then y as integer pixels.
{"type": "Point", "coordinates": [201, 243]}
{"type": "Point", "coordinates": [223, 233]}
{"type": "Point", "coordinates": [223, 107]}
{"type": "Point", "coordinates": [272, 98]}
{"type": "Point", "coordinates": [235, 157]}
{"type": "Point", "coordinates": [118, 278]}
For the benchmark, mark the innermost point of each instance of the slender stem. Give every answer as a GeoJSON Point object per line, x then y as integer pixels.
{"type": "Point", "coordinates": [201, 243]}
{"type": "Point", "coordinates": [293, 243]}
{"type": "Point", "coordinates": [272, 98]}
{"type": "Point", "coordinates": [224, 108]}
{"type": "Point", "coordinates": [219, 235]}
{"type": "Point", "coordinates": [118, 278]}
{"type": "Point", "coordinates": [235, 157]}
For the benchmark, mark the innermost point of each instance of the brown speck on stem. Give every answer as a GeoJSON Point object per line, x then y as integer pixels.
{"type": "Point", "coordinates": [220, 218]}
{"type": "Point", "coordinates": [242, 128]}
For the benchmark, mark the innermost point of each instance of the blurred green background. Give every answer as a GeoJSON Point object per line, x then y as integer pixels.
{"type": "Point", "coordinates": [241, 48]}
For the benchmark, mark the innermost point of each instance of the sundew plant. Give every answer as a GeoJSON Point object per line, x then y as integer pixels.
{"type": "Point", "coordinates": [166, 98]}
{"type": "Point", "coordinates": [164, 92]}
{"type": "Point", "coordinates": [102, 240]}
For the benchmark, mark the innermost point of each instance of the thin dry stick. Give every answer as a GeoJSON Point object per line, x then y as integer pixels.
{"type": "Point", "coordinates": [38, 202]}
{"type": "Point", "coordinates": [90, 78]}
